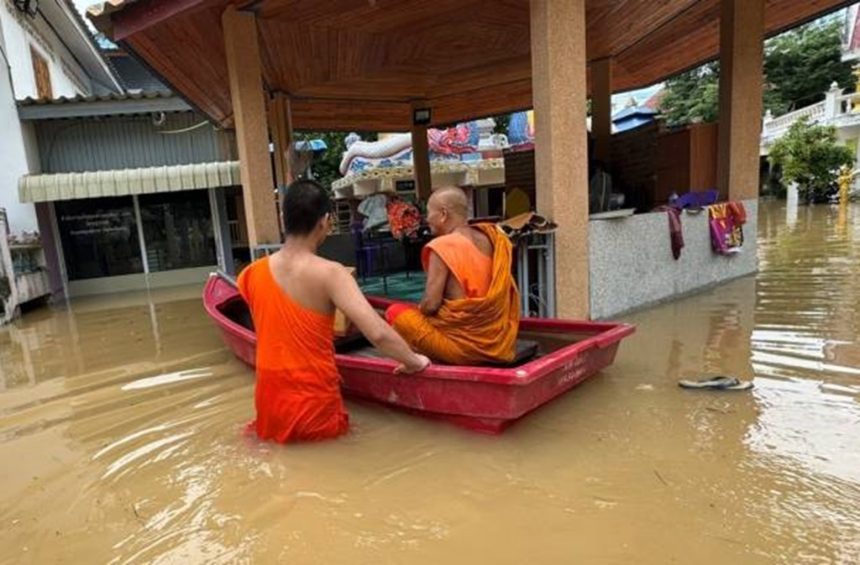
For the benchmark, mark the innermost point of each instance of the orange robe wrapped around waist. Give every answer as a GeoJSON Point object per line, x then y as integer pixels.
{"type": "Point", "coordinates": [297, 394]}
{"type": "Point", "coordinates": [481, 328]}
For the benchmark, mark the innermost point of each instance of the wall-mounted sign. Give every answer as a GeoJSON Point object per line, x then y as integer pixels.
{"type": "Point", "coordinates": [98, 223]}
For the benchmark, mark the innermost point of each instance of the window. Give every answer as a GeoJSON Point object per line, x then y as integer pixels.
{"type": "Point", "coordinates": [100, 237]}
{"type": "Point", "coordinates": [177, 228]}
{"type": "Point", "coordinates": [42, 74]}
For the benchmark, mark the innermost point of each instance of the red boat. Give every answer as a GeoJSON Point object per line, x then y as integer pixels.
{"type": "Point", "coordinates": [553, 356]}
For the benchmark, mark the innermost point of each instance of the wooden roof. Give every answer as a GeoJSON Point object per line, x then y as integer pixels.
{"type": "Point", "coordinates": [362, 64]}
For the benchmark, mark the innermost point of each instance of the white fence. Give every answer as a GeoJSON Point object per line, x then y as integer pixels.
{"type": "Point", "coordinates": [837, 109]}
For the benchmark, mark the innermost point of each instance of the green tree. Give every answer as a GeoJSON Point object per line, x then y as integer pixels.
{"type": "Point", "coordinates": [326, 167]}
{"type": "Point", "coordinates": [692, 96]}
{"type": "Point", "coordinates": [799, 66]}
{"type": "Point", "coordinates": [502, 121]}
{"type": "Point", "coordinates": [810, 156]}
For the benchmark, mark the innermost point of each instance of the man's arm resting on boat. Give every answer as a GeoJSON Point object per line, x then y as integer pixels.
{"type": "Point", "coordinates": [434, 293]}
{"type": "Point", "coordinates": [347, 296]}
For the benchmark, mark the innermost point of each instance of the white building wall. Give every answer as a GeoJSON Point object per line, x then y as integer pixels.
{"type": "Point", "coordinates": [20, 33]}
{"type": "Point", "coordinates": [18, 152]}
{"type": "Point", "coordinates": [13, 159]}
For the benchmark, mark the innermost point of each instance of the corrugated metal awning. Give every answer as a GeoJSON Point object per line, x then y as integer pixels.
{"type": "Point", "coordinates": [131, 102]}
{"type": "Point", "coordinates": [123, 182]}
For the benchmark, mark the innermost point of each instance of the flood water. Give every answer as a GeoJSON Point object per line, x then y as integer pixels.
{"type": "Point", "coordinates": [121, 440]}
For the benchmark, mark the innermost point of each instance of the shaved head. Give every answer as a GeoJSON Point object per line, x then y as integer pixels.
{"type": "Point", "coordinates": [453, 200]}
{"type": "Point", "coordinates": [447, 210]}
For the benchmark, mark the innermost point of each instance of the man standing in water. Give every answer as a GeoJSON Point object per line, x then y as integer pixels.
{"type": "Point", "coordinates": [292, 295]}
{"type": "Point", "coordinates": [470, 310]}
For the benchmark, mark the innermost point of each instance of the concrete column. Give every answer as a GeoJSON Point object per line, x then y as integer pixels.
{"type": "Point", "coordinates": [223, 241]}
{"type": "Point", "coordinates": [601, 108]}
{"type": "Point", "coordinates": [561, 163]}
{"type": "Point", "coordinates": [832, 106]}
{"type": "Point", "coordinates": [281, 132]}
{"type": "Point", "coordinates": [50, 244]}
{"type": "Point", "coordinates": [421, 162]}
{"type": "Point", "coordinates": [741, 69]}
{"type": "Point", "coordinates": [252, 136]}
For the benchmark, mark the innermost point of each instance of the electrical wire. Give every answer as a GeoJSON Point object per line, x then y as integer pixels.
{"type": "Point", "coordinates": [184, 130]}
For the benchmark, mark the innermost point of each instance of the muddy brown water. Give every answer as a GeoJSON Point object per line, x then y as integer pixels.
{"type": "Point", "coordinates": [121, 421]}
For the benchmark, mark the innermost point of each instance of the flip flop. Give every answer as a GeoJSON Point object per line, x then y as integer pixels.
{"type": "Point", "coordinates": [717, 383]}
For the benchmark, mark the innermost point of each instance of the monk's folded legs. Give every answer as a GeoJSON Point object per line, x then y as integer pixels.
{"type": "Point", "coordinates": [424, 337]}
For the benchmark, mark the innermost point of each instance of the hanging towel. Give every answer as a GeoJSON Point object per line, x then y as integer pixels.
{"type": "Point", "coordinates": [726, 224]}
{"type": "Point", "coordinates": [676, 235]}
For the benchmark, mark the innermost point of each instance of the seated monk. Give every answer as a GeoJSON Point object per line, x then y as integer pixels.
{"type": "Point", "coordinates": [292, 295]}
{"type": "Point", "coordinates": [470, 310]}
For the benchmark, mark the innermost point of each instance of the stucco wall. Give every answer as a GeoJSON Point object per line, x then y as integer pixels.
{"type": "Point", "coordinates": [18, 151]}
{"type": "Point", "coordinates": [631, 264]}
{"type": "Point", "coordinates": [13, 160]}
{"type": "Point", "coordinates": [19, 34]}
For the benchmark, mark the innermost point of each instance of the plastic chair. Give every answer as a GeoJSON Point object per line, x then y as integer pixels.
{"type": "Point", "coordinates": [364, 255]}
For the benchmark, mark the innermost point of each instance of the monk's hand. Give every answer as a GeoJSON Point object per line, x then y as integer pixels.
{"type": "Point", "coordinates": [417, 365]}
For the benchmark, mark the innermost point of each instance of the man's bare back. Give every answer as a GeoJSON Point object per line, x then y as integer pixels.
{"type": "Point", "coordinates": [303, 277]}
{"type": "Point", "coordinates": [292, 295]}
{"type": "Point", "coordinates": [453, 289]}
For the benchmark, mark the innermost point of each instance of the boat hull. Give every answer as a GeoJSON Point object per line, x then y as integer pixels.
{"type": "Point", "coordinates": [485, 399]}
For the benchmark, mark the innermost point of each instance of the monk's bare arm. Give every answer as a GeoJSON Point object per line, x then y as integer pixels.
{"type": "Point", "coordinates": [346, 295]}
{"type": "Point", "coordinates": [434, 293]}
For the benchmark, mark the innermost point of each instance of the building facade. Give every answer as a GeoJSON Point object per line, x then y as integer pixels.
{"type": "Point", "coordinates": [136, 190]}
{"type": "Point", "coordinates": [46, 53]}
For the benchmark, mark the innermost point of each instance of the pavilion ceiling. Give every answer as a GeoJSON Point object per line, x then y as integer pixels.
{"type": "Point", "coordinates": [363, 64]}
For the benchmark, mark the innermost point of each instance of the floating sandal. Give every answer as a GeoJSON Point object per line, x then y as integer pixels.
{"type": "Point", "coordinates": [717, 383]}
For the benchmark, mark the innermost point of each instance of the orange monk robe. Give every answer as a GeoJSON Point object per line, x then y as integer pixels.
{"type": "Point", "coordinates": [297, 396]}
{"type": "Point", "coordinates": [481, 328]}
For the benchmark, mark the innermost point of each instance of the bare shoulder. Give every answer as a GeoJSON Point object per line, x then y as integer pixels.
{"type": "Point", "coordinates": [328, 271]}
{"type": "Point", "coordinates": [482, 242]}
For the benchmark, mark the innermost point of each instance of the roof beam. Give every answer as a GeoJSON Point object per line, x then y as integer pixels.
{"type": "Point", "coordinates": [327, 54]}
{"type": "Point", "coordinates": [480, 103]}
{"type": "Point", "coordinates": [350, 115]}
{"type": "Point", "coordinates": [142, 15]}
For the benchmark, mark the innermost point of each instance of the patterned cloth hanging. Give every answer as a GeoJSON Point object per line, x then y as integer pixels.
{"type": "Point", "coordinates": [404, 219]}
{"type": "Point", "coordinates": [726, 221]}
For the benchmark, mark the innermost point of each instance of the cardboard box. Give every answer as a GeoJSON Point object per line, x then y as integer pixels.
{"type": "Point", "coordinates": [341, 323]}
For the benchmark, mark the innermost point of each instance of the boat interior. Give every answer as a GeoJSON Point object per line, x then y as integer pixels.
{"type": "Point", "coordinates": [530, 345]}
